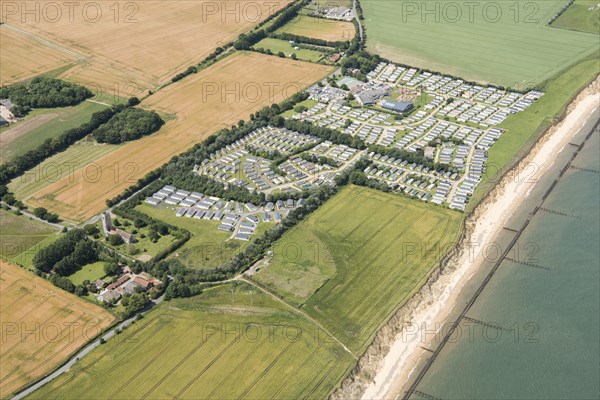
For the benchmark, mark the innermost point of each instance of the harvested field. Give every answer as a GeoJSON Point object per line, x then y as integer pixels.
{"type": "Point", "coordinates": [24, 57]}
{"type": "Point", "coordinates": [319, 28]}
{"type": "Point", "coordinates": [31, 303]}
{"type": "Point", "coordinates": [231, 341]}
{"type": "Point", "coordinates": [131, 47]}
{"type": "Point", "coordinates": [210, 100]}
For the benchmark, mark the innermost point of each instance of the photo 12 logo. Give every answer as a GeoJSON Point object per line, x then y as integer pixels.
{"type": "Point", "coordinates": [455, 12]}
{"type": "Point", "coordinates": [238, 11]}
{"type": "Point", "coordinates": [72, 12]}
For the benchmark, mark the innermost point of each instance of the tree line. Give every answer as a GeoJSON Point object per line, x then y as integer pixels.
{"type": "Point", "coordinates": [22, 163]}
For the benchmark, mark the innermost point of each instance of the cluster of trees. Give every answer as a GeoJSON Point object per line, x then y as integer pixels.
{"type": "Point", "coordinates": [324, 133]}
{"type": "Point", "coordinates": [22, 163]}
{"type": "Point", "coordinates": [129, 124]}
{"type": "Point", "coordinates": [246, 40]}
{"type": "Point", "coordinates": [268, 154]}
{"type": "Point", "coordinates": [67, 254]}
{"type": "Point", "coordinates": [416, 157]}
{"type": "Point", "coordinates": [42, 213]}
{"type": "Point", "coordinates": [323, 160]}
{"type": "Point", "coordinates": [340, 46]}
{"type": "Point", "coordinates": [134, 303]}
{"type": "Point", "coordinates": [43, 92]}
{"type": "Point", "coordinates": [361, 60]}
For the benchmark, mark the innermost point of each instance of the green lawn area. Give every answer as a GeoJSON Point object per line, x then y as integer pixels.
{"type": "Point", "coordinates": [523, 129]}
{"type": "Point", "coordinates": [359, 240]}
{"type": "Point", "coordinates": [43, 124]}
{"type": "Point", "coordinates": [229, 342]}
{"type": "Point", "coordinates": [208, 247]}
{"type": "Point", "coordinates": [277, 45]}
{"type": "Point", "coordinates": [583, 15]}
{"type": "Point", "coordinates": [143, 248]}
{"type": "Point", "coordinates": [308, 103]}
{"type": "Point", "coordinates": [90, 272]}
{"type": "Point", "coordinates": [20, 236]}
{"type": "Point", "coordinates": [494, 43]}
{"type": "Point", "coordinates": [59, 166]}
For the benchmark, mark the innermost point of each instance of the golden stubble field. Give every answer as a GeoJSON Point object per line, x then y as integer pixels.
{"type": "Point", "coordinates": [23, 57]}
{"type": "Point", "coordinates": [319, 28]}
{"type": "Point", "coordinates": [41, 326]}
{"type": "Point", "coordinates": [129, 47]}
{"type": "Point", "coordinates": [199, 105]}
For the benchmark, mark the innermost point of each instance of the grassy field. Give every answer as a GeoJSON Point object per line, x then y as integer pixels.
{"type": "Point", "coordinates": [19, 233]}
{"type": "Point", "coordinates": [32, 303]}
{"type": "Point", "coordinates": [523, 129]}
{"type": "Point", "coordinates": [225, 343]}
{"type": "Point", "coordinates": [41, 125]}
{"type": "Point", "coordinates": [90, 272]}
{"type": "Point", "coordinates": [133, 47]}
{"type": "Point", "coordinates": [28, 57]}
{"type": "Point", "coordinates": [583, 15]}
{"type": "Point", "coordinates": [277, 45]}
{"type": "Point", "coordinates": [504, 43]}
{"type": "Point", "coordinates": [359, 240]}
{"type": "Point", "coordinates": [319, 28]}
{"type": "Point", "coordinates": [203, 104]}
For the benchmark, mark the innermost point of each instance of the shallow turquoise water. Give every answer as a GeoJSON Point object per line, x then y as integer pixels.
{"type": "Point", "coordinates": [550, 345]}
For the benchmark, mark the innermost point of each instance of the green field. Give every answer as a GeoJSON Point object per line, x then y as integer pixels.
{"type": "Point", "coordinates": [61, 165]}
{"type": "Point", "coordinates": [277, 45]}
{"type": "Point", "coordinates": [90, 272]}
{"type": "Point", "coordinates": [18, 234]}
{"type": "Point", "coordinates": [523, 129]}
{"type": "Point", "coordinates": [43, 124]}
{"type": "Point", "coordinates": [207, 248]}
{"type": "Point", "coordinates": [223, 344]}
{"type": "Point", "coordinates": [359, 240]}
{"type": "Point", "coordinates": [143, 248]}
{"type": "Point", "coordinates": [508, 44]}
{"type": "Point", "coordinates": [583, 15]}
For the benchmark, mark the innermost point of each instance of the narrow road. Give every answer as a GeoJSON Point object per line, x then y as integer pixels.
{"type": "Point", "coordinates": [30, 215]}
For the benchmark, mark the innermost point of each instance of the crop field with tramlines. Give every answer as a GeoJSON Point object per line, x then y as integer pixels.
{"type": "Point", "coordinates": [232, 341]}
{"type": "Point", "coordinates": [360, 239]}
{"type": "Point", "coordinates": [503, 43]}
{"type": "Point", "coordinates": [131, 47]}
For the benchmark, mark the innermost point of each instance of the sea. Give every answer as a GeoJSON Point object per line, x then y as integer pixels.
{"type": "Point", "coordinates": [534, 331]}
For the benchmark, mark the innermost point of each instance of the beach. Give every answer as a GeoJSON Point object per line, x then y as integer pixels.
{"type": "Point", "coordinates": [483, 226]}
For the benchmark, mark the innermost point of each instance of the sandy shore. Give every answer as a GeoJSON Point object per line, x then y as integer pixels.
{"type": "Point", "coordinates": [405, 352]}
